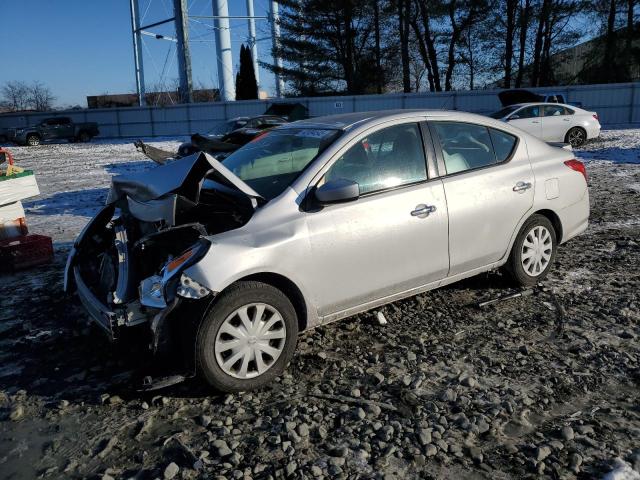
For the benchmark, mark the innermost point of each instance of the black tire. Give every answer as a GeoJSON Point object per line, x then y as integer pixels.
{"type": "Point", "coordinates": [576, 136]}
{"type": "Point", "coordinates": [84, 137]}
{"type": "Point", "coordinates": [33, 140]}
{"type": "Point", "coordinates": [514, 265]}
{"type": "Point", "coordinates": [237, 296]}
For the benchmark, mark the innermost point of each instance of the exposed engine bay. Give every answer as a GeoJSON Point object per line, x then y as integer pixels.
{"type": "Point", "coordinates": [126, 264]}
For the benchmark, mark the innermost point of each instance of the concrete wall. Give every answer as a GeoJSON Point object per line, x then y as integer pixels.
{"type": "Point", "coordinates": [617, 105]}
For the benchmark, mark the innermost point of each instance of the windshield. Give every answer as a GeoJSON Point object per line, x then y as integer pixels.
{"type": "Point", "coordinates": [504, 112]}
{"type": "Point", "coordinates": [272, 161]}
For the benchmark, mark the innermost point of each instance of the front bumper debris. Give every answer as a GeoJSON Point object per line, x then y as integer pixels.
{"type": "Point", "coordinates": [100, 313]}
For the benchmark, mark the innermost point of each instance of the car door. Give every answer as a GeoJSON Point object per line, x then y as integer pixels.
{"type": "Point", "coordinates": [527, 119]}
{"type": "Point", "coordinates": [393, 237]}
{"type": "Point", "coordinates": [488, 183]}
{"type": "Point", "coordinates": [65, 128]}
{"type": "Point", "coordinates": [48, 128]}
{"type": "Point", "coordinates": [555, 123]}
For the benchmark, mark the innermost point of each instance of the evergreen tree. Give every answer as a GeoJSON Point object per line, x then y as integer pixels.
{"type": "Point", "coordinates": [246, 85]}
{"type": "Point", "coordinates": [331, 46]}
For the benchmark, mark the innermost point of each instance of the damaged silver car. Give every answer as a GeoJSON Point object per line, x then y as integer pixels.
{"type": "Point", "coordinates": [316, 221]}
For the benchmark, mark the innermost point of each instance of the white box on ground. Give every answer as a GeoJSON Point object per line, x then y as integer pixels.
{"type": "Point", "coordinates": [10, 212]}
{"type": "Point", "coordinates": [12, 222]}
{"type": "Point", "coordinates": [18, 187]}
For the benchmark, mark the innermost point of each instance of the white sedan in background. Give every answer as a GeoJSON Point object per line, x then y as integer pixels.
{"type": "Point", "coordinates": [552, 122]}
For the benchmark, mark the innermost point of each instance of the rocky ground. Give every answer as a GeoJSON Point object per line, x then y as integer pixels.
{"type": "Point", "coordinates": [542, 386]}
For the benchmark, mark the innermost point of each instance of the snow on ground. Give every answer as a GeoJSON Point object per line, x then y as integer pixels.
{"type": "Point", "coordinates": [74, 179]}
{"type": "Point", "coordinates": [617, 146]}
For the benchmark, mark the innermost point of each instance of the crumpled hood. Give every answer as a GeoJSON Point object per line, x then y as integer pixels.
{"type": "Point", "coordinates": [184, 176]}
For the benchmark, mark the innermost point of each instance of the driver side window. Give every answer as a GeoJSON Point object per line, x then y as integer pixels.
{"type": "Point", "coordinates": [388, 158]}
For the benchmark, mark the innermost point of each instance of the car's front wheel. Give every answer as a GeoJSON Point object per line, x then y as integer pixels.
{"type": "Point", "coordinates": [533, 252]}
{"type": "Point", "coordinates": [247, 338]}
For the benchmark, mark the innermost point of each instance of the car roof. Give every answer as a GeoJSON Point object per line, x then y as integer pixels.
{"type": "Point", "coordinates": [347, 121]}
{"type": "Point", "coordinates": [531, 104]}
{"type": "Point", "coordinates": [237, 119]}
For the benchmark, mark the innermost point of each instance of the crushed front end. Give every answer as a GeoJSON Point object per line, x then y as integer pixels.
{"type": "Point", "coordinates": [127, 264]}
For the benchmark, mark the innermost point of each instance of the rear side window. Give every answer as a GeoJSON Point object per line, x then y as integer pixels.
{"type": "Point", "coordinates": [503, 143]}
{"type": "Point", "coordinates": [553, 110]}
{"type": "Point", "coordinates": [465, 146]}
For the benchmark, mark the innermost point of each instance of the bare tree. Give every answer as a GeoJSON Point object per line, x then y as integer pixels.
{"type": "Point", "coordinates": [511, 7]}
{"type": "Point", "coordinates": [525, 19]}
{"type": "Point", "coordinates": [427, 41]}
{"type": "Point", "coordinates": [15, 96]}
{"type": "Point", "coordinates": [40, 97]}
{"type": "Point", "coordinates": [404, 13]}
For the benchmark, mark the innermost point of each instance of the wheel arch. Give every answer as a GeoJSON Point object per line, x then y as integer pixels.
{"type": "Point", "coordinates": [286, 286]}
{"type": "Point", "coordinates": [554, 219]}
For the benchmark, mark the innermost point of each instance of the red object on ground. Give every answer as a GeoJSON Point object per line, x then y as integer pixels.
{"type": "Point", "coordinates": [24, 252]}
{"type": "Point", "coordinates": [8, 155]}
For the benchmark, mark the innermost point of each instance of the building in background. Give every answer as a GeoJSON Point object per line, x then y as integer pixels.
{"type": "Point", "coordinates": [152, 98]}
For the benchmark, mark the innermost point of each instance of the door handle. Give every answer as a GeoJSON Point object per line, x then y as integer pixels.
{"type": "Point", "coordinates": [522, 186]}
{"type": "Point", "coordinates": [535, 121]}
{"type": "Point", "coordinates": [423, 210]}
{"type": "Point", "coordinates": [565, 119]}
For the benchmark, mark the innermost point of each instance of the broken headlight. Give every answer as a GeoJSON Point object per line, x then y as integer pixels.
{"type": "Point", "coordinates": [189, 288]}
{"type": "Point", "coordinates": [156, 291]}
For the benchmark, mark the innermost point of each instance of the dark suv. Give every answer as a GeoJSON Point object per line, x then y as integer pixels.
{"type": "Point", "coordinates": [55, 128]}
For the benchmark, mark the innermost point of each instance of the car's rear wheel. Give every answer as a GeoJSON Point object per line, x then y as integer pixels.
{"type": "Point", "coordinates": [84, 137]}
{"type": "Point", "coordinates": [533, 252]}
{"type": "Point", "coordinates": [33, 140]}
{"type": "Point", "coordinates": [247, 338]}
{"type": "Point", "coordinates": [576, 136]}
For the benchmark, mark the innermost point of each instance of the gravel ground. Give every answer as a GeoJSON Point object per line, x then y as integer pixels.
{"type": "Point", "coordinates": [542, 386]}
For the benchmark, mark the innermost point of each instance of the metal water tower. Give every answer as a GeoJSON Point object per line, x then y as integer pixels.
{"type": "Point", "coordinates": [220, 16]}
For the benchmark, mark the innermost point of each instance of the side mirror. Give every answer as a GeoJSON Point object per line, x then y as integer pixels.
{"type": "Point", "coordinates": [338, 190]}
{"type": "Point", "coordinates": [513, 117]}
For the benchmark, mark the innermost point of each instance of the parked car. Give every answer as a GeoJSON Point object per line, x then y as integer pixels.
{"type": "Point", "coordinates": [55, 128]}
{"type": "Point", "coordinates": [515, 96]}
{"type": "Point", "coordinates": [552, 122]}
{"type": "Point", "coordinates": [223, 139]}
{"type": "Point", "coordinates": [237, 131]}
{"type": "Point", "coordinates": [316, 221]}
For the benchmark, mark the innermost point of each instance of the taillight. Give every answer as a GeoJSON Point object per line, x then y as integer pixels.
{"type": "Point", "coordinates": [578, 166]}
{"type": "Point", "coordinates": [595, 115]}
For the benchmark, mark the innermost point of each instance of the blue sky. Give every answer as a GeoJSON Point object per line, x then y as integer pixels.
{"type": "Point", "coordinates": [84, 47]}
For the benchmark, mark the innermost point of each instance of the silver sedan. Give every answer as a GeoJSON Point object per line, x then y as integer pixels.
{"type": "Point", "coordinates": [319, 220]}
